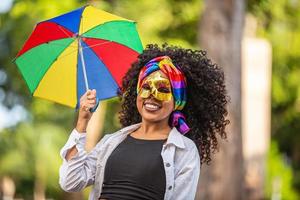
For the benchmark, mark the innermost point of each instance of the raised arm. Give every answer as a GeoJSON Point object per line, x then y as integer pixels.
{"type": "Point", "coordinates": [87, 101]}
{"type": "Point", "coordinates": [79, 167]}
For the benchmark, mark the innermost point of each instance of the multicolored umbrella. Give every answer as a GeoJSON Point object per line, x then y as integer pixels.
{"type": "Point", "coordinates": [84, 49]}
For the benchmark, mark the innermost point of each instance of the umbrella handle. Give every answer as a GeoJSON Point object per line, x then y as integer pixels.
{"type": "Point", "coordinates": [95, 107]}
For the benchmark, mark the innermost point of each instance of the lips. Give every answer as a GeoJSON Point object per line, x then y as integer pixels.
{"type": "Point", "coordinates": [151, 106]}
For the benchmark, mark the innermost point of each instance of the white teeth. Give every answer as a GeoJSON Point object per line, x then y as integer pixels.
{"type": "Point", "coordinates": [151, 106]}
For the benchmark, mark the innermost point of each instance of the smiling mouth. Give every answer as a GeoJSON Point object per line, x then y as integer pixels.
{"type": "Point", "coordinates": [150, 106]}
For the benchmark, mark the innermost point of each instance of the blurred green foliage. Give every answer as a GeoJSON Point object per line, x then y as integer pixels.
{"type": "Point", "coordinates": [29, 152]}
{"type": "Point", "coordinates": [279, 22]}
{"type": "Point", "coordinates": [279, 176]}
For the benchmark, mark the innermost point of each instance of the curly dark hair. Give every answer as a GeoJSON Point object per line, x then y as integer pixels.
{"type": "Point", "coordinates": [207, 98]}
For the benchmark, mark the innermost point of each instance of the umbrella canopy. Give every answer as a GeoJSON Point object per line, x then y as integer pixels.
{"type": "Point", "coordinates": [84, 49]}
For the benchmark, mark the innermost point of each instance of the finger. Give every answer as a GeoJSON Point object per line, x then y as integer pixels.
{"type": "Point", "coordinates": [92, 94]}
{"type": "Point", "coordinates": [91, 105]}
{"type": "Point", "coordinates": [84, 96]}
{"type": "Point", "coordinates": [86, 108]}
{"type": "Point", "coordinates": [90, 97]}
{"type": "Point", "coordinates": [88, 105]}
{"type": "Point", "coordinates": [88, 91]}
{"type": "Point", "coordinates": [91, 101]}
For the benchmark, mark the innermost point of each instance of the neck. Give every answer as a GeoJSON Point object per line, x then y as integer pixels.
{"type": "Point", "coordinates": [148, 128]}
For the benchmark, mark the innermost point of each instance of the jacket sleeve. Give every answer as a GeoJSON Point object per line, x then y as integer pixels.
{"type": "Point", "coordinates": [79, 172]}
{"type": "Point", "coordinates": [186, 180]}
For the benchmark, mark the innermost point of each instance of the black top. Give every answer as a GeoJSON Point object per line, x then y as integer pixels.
{"type": "Point", "coordinates": [135, 171]}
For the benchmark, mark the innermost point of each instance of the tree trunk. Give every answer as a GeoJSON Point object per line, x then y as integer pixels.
{"type": "Point", "coordinates": [221, 29]}
{"type": "Point", "coordinates": [7, 188]}
{"type": "Point", "coordinates": [39, 190]}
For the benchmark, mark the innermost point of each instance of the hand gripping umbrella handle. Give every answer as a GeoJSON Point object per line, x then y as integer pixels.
{"type": "Point", "coordinates": [95, 107]}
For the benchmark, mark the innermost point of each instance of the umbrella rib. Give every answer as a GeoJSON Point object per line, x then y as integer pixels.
{"type": "Point", "coordinates": [63, 31]}
{"type": "Point", "coordinates": [57, 44]}
{"type": "Point", "coordinates": [75, 50]}
{"type": "Point", "coordinates": [85, 48]}
{"type": "Point", "coordinates": [81, 24]}
{"type": "Point", "coordinates": [97, 44]}
{"type": "Point", "coordinates": [97, 31]}
{"type": "Point", "coordinates": [54, 44]}
{"type": "Point", "coordinates": [71, 52]}
{"type": "Point", "coordinates": [74, 46]}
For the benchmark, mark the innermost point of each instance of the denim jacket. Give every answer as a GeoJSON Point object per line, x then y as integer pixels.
{"type": "Point", "coordinates": [179, 154]}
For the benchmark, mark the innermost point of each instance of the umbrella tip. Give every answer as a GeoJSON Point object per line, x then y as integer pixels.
{"type": "Point", "coordinates": [76, 35]}
{"type": "Point", "coordinates": [14, 59]}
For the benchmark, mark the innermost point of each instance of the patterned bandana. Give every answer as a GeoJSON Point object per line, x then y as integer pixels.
{"type": "Point", "coordinates": [178, 83]}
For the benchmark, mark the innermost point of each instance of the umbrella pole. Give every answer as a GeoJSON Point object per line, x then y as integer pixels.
{"type": "Point", "coordinates": [85, 76]}
{"type": "Point", "coordinates": [83, 65]}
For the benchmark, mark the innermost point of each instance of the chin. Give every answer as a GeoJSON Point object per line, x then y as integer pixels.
{"type": "Point", "coordinates": [153, 117]}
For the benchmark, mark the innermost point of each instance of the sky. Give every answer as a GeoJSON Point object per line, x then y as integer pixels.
{"type": "Point", "coordinates": [9, 117]}
{"type": "Point", "coordinates": [5, 5]}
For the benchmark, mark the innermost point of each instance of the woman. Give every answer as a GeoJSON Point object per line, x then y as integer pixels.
{"type": "Point", "coordinates": [173, 106]}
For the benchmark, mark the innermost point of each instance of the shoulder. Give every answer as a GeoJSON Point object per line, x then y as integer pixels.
{"type": "Point", "coordinates": [187, 157]}
{"type": "Point", "coordinates": [183, 142]}
{"type": "Point", "coordinates": [118, 134]}
{"type": "Point", "coordinates": [110, 136]}
{"type": "Point", "coordinates": [189, 144]}
{"type": "Point", "coordinates": [189, 150]}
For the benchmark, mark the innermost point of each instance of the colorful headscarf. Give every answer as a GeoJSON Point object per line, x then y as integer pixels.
{"type": "Point", "coordinates": [178, 83]}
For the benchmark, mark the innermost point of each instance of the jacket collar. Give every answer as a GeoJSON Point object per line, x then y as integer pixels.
{"type": "Point", "coordinates": [174, 137]}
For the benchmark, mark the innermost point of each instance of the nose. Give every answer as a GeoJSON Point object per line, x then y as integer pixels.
{"type": "Point", "coordinates": [152, 96]}
{"type": "Point", "coordinates": [153, 92]}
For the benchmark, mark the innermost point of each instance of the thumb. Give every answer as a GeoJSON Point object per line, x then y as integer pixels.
{"type": "Point", "coordinates": [88, 92]}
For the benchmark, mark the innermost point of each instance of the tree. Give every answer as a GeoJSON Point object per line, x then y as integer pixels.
{"type": "Point", "coordinates": [279, 23]}
{"type": "Point", "coordinates": [220, 31]}
{"type": "Point", "coordinates": [29, 155]}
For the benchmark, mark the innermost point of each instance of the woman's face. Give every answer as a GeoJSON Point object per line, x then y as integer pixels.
{"type": "Point", "coordinates": [155, 101]}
